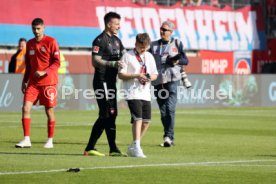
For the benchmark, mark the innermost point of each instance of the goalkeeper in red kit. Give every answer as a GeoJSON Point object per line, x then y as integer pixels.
{"type": "Point", "coordinates": [40, 80]}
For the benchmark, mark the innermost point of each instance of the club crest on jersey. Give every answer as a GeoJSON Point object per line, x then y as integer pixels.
{"type": "Point", "coordinates": [42, 49]}
{"type": "Point", "coordinates": [174, 50]}
{"type": "Point", "coordinates": [32, 52]}
{"type": "Point", "coordinates": [112, 111]}
{"type": "Point", "coordinates": [96, 49]}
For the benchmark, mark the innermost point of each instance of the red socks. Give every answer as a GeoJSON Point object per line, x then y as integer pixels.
{"type": "Point", "coordinates": [26, 122]}
{"type": "Point", "coordinates": [51, 128]}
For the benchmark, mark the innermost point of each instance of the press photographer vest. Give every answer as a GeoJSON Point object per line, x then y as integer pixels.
{"type": "Point", "coordinates": [160, 53]}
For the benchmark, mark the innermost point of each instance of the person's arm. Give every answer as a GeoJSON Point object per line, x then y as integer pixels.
{"type": "Point", "coordinates": [98, 62]}
{"type": "Point", "coordinates": [141, 76]}
{"type": "Point", "coordinates": [12, 64]}
{"type": "Point", "coordinates": [183, 59]}
{"type": "Point", "coordinates": [128, 76]}
{"type": "Point", "coordinates": [27, 72]}
{"type": "Point", "coordinates": [153, 71]}
{"type": "Point", "coordinates": [55, 59]}
{"type": "Point", "coordinates": [123, 50]}
{"type": "Point", "coordinates": [153, 77]}
{"type": "Point", "coordinates": [123, 73]}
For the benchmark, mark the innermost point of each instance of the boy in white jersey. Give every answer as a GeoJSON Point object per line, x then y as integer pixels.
{"type": "Point", "coordinates": [137, 72]}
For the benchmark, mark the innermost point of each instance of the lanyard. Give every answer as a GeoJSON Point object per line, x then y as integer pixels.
{"type": "Point", "coordinates": [138, 57]}
{"type": "Point", "coordinates": [141, 62]}
{"type": "Point", "coordinates": [162, 50]}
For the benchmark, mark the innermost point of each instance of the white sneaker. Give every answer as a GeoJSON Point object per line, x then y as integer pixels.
{"type": "Point", "coordinates": [130, 150]}
{"type": "Point", "coordinates": [49, 144]}
{"type": "Point", "coordinates": [167, 142]}
{"type": "Point", "coordinates": [25, 143]}
{"type": "Point", "coordinates": [138, 152]}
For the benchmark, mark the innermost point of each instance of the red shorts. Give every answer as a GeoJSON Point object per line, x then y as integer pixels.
{"type": "Point", "coordinates": [45, 94]}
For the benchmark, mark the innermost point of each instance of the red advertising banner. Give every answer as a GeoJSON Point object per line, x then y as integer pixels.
{"type": "Point", "coordinates": [194, 65]}
{"type": "Point", "coordinates": [216, 62]}
{"type": "Point", "coordinates": [76, 24]}
{"type": "Point", "coordinates": [81, 63]}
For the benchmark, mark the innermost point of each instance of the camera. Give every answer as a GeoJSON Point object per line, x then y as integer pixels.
{"type": "Point", "coordinates": [144, 82]}
{"type": "Point", "coordinates": [185, 80]}
{"type": "Point", "coordinates": [172, 59]}
{"type": "Point", "coordinates": [148, 76]}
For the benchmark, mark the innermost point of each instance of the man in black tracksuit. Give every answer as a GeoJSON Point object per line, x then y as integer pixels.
{"type": "Point", "coordinates": [107, 51]}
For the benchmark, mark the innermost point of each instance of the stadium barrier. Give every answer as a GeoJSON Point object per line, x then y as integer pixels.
{"type": "Point", "coordinates": [204, 62]}
{"type": "Point", "coordinates": [75, 92]}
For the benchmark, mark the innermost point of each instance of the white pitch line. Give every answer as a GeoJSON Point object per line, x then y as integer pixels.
{"type": "Point", "coordinates": [223, 163]}
{"type": "Point", "coordinates": [249, 165]}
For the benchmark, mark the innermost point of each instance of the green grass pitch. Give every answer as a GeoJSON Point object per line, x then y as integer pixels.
{"type": "Point", "coordinates": [216, 146]}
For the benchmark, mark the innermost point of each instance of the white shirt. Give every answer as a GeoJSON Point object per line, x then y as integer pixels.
{"type": "Point", "coordinates": [133, 89]}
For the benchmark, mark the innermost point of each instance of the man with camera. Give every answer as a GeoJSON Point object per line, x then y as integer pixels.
{"type": "Point", "coordinates": [170, 59]}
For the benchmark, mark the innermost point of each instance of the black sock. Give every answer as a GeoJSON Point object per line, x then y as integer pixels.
{"type": "Point", "coordinates": [110, 130]}
{"type": "Point", "coordinates": [96, 133]}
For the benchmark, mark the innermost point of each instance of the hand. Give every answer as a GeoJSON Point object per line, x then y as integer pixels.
{"type": "Point", "coordinates": [173, 60]}
{"type": "Point", "coordinates": [119, 64]}
{"type": "Point", "coordinates": [39, 74]}
{"type": "Point", "coordinates": [172, 63]}
{"type": "Point", "coordinates": [143, 78]}
{"type": "Point", "coordinates": [115, 64]}
{"type": "Point", "coordinates": [23, 87]}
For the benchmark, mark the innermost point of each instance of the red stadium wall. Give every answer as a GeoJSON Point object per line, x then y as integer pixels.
{"type": "Point", "coordinates": [82, 63]}
{"type": "Point", "coordinates": [205, 62]}
{"type": "Point", "coordinates": [72, 63]}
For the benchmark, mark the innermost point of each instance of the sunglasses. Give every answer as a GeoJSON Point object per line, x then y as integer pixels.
{"type": "Point", "coordinates": [164, 29]}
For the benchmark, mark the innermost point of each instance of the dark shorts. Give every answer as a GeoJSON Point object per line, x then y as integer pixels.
{"type": "Point", "coordinates": [107, 106]}
{"type": "Point", "coordinates": [140, 110]}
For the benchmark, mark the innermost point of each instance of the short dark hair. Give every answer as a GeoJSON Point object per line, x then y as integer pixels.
{"type": "Point", "coordinates": [37, 21]}
{"type": "Point", "coordinates": [109, 16]}
{"type": "Point", "coordinates": [143, 38]}
{"type": "Point", "coordinates": [22, 40]}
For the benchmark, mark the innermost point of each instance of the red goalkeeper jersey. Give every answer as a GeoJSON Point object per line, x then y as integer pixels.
{"type": "Point", "coordinates": [42, 55]}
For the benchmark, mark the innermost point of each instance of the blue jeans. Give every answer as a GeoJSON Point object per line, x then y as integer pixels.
{"type": "Point", "coordinates": [166, 95]}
